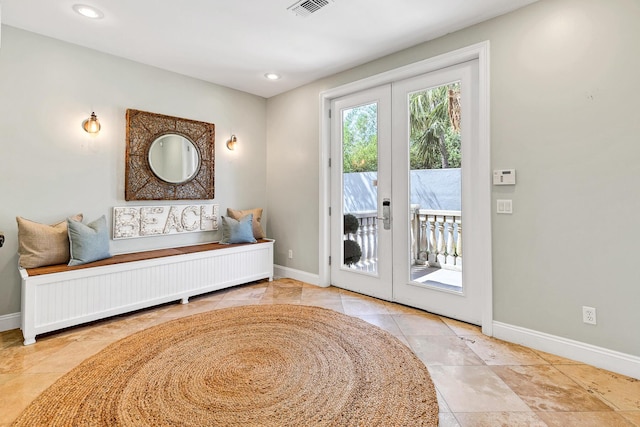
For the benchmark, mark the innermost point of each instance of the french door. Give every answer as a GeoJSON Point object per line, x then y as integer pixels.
{"type": "Point", "coordinates": [358, 199]}
{"type": "Point", "coordinates": [404, 166]}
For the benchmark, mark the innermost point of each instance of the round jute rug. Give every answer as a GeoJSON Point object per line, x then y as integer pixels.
{"type": "Point", "coordinates": [261, 365]}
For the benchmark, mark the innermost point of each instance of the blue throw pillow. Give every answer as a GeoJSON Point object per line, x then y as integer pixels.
{"type": "Point", "coordinates": [88, 242]}
{"type": "Point", "coordinates": [237, 231]}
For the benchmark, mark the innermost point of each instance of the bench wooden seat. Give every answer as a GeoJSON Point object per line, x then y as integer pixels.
{"type": "Point", "coordinates": [134, 256]}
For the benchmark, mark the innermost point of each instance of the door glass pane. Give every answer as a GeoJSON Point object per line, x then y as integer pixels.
{"type": "Point", "coordinates": [435, 187]}
{"type": "Point", "coordinates": [360, 193]}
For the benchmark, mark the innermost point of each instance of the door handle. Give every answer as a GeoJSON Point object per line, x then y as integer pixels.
{"type": "Point", "coordinates": [386, 214]}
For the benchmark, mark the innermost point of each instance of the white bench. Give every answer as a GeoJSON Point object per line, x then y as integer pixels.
{"type": "Point", "coordinates": [60, 296]}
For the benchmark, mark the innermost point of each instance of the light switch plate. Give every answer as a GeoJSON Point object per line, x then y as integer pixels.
{"type": "Point", "coordinates": [505, 206]}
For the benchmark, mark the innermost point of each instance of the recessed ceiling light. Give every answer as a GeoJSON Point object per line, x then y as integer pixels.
{"type": "Point", "coordinates": [272, 76]}
{"type": "Point", "coordinates": [88, 11]}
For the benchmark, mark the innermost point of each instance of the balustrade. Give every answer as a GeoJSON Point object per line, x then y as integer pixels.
{"type": "Point", "coordinates": [436, 239]}
{"type": "Point", "coordinates": [367, 238]}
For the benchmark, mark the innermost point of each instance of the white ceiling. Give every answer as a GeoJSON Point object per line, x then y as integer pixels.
{"type": "Point", "coordinates": [235, 42]}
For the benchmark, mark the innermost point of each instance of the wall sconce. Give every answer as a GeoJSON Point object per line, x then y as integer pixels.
{"type": "Point", "coordinates": [92, 124]}
{"type": "Point", "coordinates": [231, 143]}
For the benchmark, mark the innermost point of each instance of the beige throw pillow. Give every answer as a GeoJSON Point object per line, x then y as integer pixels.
{"type": "Point", "coordinates": [258, 232]}
{"type": "Point", "coordinates": [41, 244]}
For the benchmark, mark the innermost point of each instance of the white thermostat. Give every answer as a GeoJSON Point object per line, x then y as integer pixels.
{"type": "Point", "coordinates": [504, 177]}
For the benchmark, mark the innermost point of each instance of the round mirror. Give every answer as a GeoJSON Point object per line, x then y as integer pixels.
{"type": "Point", "coordinates": [174, 158]}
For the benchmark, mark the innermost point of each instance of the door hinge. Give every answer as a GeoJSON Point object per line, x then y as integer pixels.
{"type": "Point", "coordinates": [329, 112]}
{"type": "Point", "coordinates": [329, 260]}
{"type": "Point", "coordinates": [329, 162]}
{"type": "Point", "coordinates": [329, 210]}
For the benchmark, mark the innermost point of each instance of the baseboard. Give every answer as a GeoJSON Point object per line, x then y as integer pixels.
{"type": "Point", "coordinates": [291, 273]}
{"type": "Point", "coordinates": [9, 322]}
{"type": "Point", "coordinates": [622, 363]}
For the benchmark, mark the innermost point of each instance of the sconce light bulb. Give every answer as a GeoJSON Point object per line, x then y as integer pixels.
{"type": "Point", "coordinates": [92, 124]}
{"type": "Point", "coordinates": [231, 143]}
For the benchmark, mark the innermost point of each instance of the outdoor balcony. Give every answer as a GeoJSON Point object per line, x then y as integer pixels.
{"type": "Point", "coordinates": [436, 246]}
{"type": "Point", "coordinates": [436, 224]}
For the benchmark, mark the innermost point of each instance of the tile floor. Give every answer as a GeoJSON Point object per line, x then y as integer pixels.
{"type": "Point", "coordinates": [480, 381]}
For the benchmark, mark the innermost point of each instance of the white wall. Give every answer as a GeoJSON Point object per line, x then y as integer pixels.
{"type": "Point", "coordinates": [50, 168]}
{"type": "Point", "coordinates": [564, 106]}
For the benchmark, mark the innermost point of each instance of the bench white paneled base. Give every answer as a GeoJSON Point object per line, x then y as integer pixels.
{"type": "Point", "coordinates": [60, 300]}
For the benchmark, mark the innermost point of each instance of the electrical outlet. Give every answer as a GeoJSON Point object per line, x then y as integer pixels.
{"type": "Point", "coordinates": [589, 315]}
{"type": "Point", "coordinates": [290, 253]}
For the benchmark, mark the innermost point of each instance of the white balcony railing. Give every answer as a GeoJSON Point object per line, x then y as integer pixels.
{"type": "Point", "coordinates": [367, 238]}
{"type": "Point", "coordinates": [436, 239]}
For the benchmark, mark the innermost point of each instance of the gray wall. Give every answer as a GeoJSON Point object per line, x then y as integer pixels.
{"type": "Point", "coordinates": [564, 107]}
{"type": "Point", "coordinates": [51, 168]}
{"type": "Point", "coordinates": [564, 92]}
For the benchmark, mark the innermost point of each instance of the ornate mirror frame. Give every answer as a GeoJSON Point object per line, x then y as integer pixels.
{"type": "Point", "coordinates": [140, 183]}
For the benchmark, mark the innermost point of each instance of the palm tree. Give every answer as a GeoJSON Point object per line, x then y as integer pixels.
{"type": "Point", "coordinates": [434, 113]}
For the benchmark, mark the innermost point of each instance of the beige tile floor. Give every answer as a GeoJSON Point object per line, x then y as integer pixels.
{"type": "Point", "coordinates": [480, 381]}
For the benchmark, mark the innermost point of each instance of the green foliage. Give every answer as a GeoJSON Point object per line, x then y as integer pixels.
{"type": "Point", "coordinates": [362, 158]}
{"type": "Point", "coordinates": [452, 141]}
{"type": "Point", "coordinates": [434, 139]}
{"type": "Point", "coordinates": [360, 139]}
{"type": "Point", "coordinates": [432, 159]}
{"type": "Point", "coordinates": [351, 224]}
{"type": "Point", "coordinates": [352, 252]}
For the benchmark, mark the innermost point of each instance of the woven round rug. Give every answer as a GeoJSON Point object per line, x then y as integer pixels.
{"type": "Point", "coordinates": [261, 365]}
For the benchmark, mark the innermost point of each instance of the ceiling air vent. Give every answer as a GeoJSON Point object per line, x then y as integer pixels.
{"type": "Point", "coordinates": [307, 7]}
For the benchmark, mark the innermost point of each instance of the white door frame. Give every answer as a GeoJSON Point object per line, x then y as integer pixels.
{"type": "Point", "coordinates": [478, 51]}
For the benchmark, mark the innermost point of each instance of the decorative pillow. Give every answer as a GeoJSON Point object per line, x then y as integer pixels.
{"type": "Point", "coordinates": [258, 232]}
{"type": "Point", "coordinates": [41, 244]}
{"type": "Point", "coordinates": [89, 242]}
{"type": "Point", "coordinates": [237, 231]}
